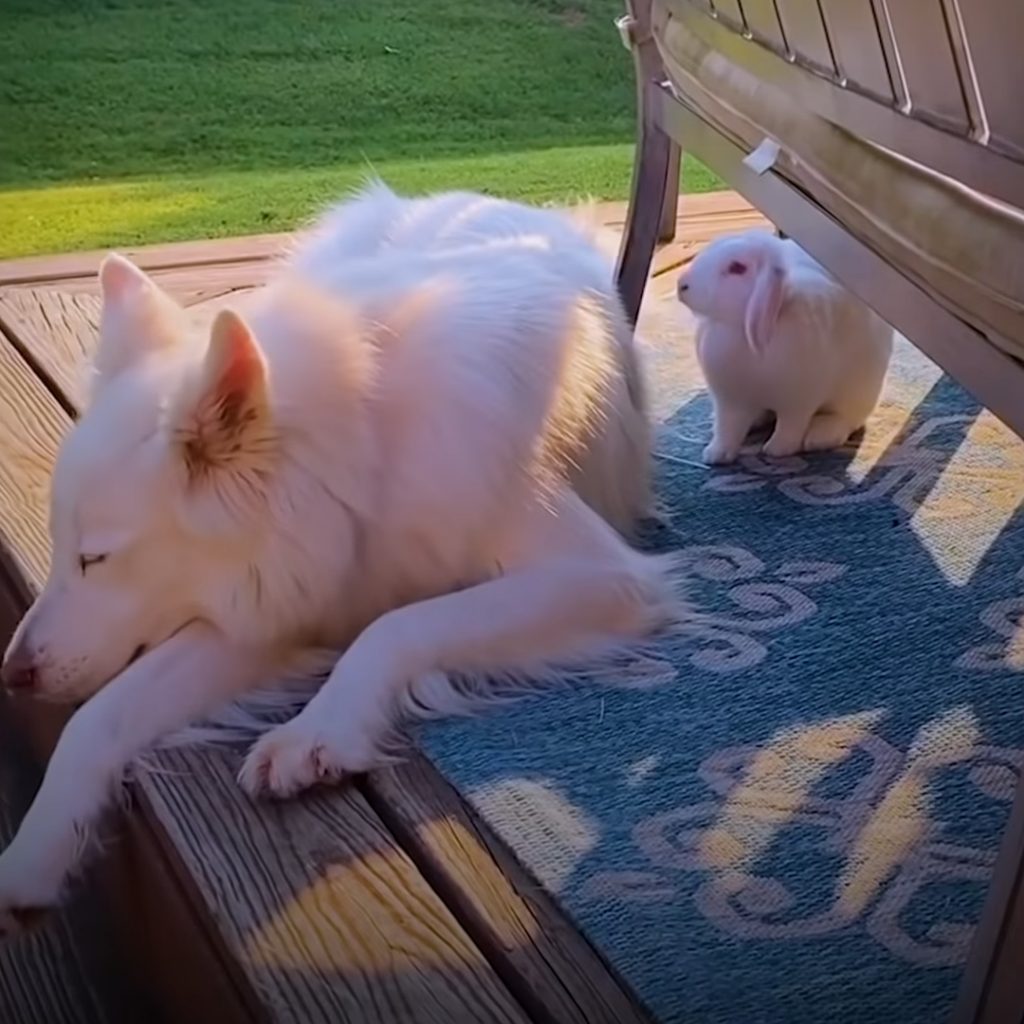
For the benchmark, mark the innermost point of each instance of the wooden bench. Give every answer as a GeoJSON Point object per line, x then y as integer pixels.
{"type": "Point", "coordinates": [385, 901]}
{"type": "Point", "coordinates": [887, 140]}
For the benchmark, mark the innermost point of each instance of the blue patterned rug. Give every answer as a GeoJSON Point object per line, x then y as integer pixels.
{"type": "Point", "coordinates": [794, 817]}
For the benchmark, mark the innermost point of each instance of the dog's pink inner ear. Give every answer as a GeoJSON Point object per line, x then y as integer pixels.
{"type": "Point", "coordinates": [235, 364]}
{"type": "Point", "coordinates": [223, 420]}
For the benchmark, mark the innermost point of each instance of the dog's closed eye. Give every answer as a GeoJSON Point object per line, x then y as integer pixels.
{"type": "Point", "coordinates": [85, 561]}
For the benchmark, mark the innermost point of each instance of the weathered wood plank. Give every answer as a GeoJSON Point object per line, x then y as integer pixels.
{"type": "Point", "coordinates": [165, 935]}
{"type": "Point", "coordinates": [320, 912]}
{"type": "Point", "coordinates": [188, 285]}
{"type": "Point", "coordinates": [40, 269]}
{"type": "Point", "coordinates": [230, 257]}
{"type": "Point", "coordinates": [690, 208]}
{"type": "Point", "coordinates": [552, 969]}
{"type": "Point", "coordinates": [54, 332]}
{"type": "Point", "coordinates": [31, 426]}
{"type": "Point", "coordinates": [329, 919]}
{"type": "Point", "coordinates": [209, 305]}
{"type": "Point", "coordinates": [188, 292]}
{"type": "Point", "coordinates": [66, 972]}
{"type": "Point", "coordinates": [194, 283]}
{"type": "Point", "coordinates": [42, 979]}
{"type": "Point", "coordinates": [200, 296]}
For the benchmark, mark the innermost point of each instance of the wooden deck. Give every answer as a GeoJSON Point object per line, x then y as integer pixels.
{"type": "Point", "coordinates": [384, 901]}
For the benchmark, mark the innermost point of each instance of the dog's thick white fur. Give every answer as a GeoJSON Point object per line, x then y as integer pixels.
{"type": "Point", "coordinates": [419, 449]}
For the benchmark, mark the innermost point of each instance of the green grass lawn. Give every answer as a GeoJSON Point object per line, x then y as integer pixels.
{"type": "Point", "coordinates": [131, 121]}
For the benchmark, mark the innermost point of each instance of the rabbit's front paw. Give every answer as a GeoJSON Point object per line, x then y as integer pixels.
{"type": "Point", "coordinates": [718, 453]}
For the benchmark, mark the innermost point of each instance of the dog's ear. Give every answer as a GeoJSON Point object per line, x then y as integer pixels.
{"type": "Point", "coordinates": [138, 318]}
{"type": "Point", "coordinates": [222, 419]}
{"type": "Point", "coordinates": [121, 280]}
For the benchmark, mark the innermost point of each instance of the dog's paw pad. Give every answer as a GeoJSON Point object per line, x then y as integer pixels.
{"type": "Point", "coordinates": [287, 761]}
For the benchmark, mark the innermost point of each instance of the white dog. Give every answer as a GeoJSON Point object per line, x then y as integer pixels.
{"type": "Point", "coordinates": [421, 448]}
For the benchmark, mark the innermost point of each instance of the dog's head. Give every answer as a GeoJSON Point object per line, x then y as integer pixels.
{"type": "Point", "coordinates": [150, 489]}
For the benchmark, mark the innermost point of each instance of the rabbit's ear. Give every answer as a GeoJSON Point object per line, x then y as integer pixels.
{"type": "Point", "coordinates": [764, 305]}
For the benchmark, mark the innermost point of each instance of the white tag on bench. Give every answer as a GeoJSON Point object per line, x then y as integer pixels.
{"type": "Point", "coordinates": [764, 157]}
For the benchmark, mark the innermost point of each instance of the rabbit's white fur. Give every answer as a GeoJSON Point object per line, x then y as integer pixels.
{"type": "Point", "coordinates": [777, 334]}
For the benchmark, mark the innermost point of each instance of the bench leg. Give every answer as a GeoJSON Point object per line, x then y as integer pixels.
{"type": "Point", "coordinates": [670, 205]}
{"type": "Point", "coordinates": [644, 219]}
{"type": "Point", "coordinates": [654, 192]}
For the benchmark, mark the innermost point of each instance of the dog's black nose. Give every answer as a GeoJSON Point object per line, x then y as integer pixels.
{"type": "Point", "coordinates": [681, 287]}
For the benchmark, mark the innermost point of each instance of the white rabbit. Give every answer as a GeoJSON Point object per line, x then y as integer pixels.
{"type": "Point", "coordinates": [778, 334]}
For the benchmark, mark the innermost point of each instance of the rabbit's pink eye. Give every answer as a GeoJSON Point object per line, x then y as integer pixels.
{"type": "Point", "coordinates": [737, 268]}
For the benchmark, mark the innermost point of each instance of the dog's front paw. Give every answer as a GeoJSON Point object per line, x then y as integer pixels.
{"type": "Point", "coordinates": [293, 757]}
